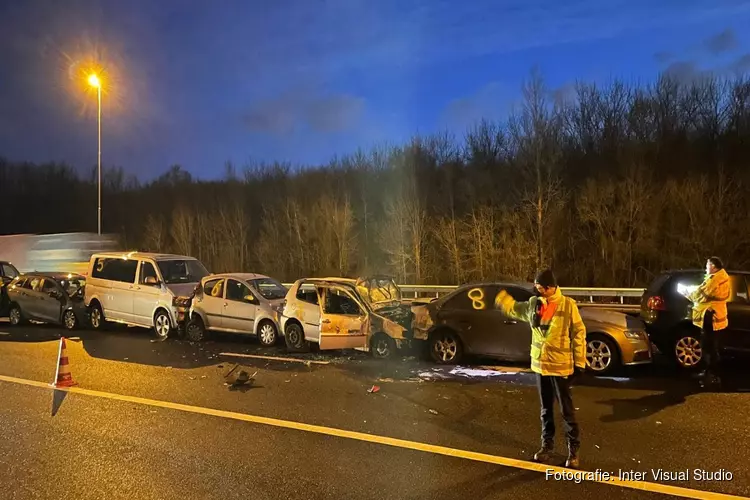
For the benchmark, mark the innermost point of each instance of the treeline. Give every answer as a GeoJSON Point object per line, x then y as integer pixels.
{"type": "Point", "coordinates": [610, 185]}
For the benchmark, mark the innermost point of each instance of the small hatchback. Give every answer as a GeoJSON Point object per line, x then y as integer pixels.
{"type": "Point", "coordinates": [48, 298]}
{"type": "Point", "coordinates": [237, 303]}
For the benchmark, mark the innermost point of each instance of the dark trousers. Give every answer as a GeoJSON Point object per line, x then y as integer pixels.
{"type": "Point", "coordinates": [551, 387]}
{"type": "Point", "coordinates": [711, 345]}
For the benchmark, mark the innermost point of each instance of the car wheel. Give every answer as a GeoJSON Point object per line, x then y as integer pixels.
{"type": "Point", "coordinates": [162, 324]}
{"type": "Point", "coordinates": [294, 338]}
{"type": "Point", "coordinates": [267, 333]}
{"type": "Point", "coordinates": [688, 351]}
{"type": "Point", "coordinates": [445, 347]}
{"type": "Point", "coordinates": [195, 331]}
{"type": "Point", "coordinates": [382, 346]}
{"type": "Point", "coordinates": [602, 355]}
{"type": "Point", "coordinates": [70, 320]}
{"type": "Point", "coordinates": [15, 316]}
{"type": "Point", "coordinates": [96, 317]}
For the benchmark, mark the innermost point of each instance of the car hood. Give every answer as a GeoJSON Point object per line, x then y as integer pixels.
{"type": "Point", "coordinates": [182, 289]}
{"type": "Point", "coordinates": [614, 318]}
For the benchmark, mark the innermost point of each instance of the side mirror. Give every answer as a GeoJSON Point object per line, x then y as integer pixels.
{"type": "Point", "coordinates": [151, 281]}
{"type": "Point", "coordinates": [250, 299]}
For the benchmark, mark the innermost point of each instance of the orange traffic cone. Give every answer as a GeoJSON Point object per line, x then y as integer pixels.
{"type": "Point", "coordinates": [63, 378]}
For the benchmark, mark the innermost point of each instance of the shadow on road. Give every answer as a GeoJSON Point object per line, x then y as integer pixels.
{"type": "Point", "coordinates": [58, 397]}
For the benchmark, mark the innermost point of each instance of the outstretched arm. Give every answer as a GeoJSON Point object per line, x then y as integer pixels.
{"type": "Point", "coordinates": [517, 310]}
{"type": "Point", "coordinates": [578, 338]}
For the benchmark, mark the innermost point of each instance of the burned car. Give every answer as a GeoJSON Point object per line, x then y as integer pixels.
{"type": "Point", "coordinates": [341, 313]}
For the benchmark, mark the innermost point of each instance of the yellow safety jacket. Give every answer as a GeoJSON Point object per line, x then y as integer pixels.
{"type": "Point", "coordinates": [558, 344]}
{"type": "Point", "coordinates": [712, 295]}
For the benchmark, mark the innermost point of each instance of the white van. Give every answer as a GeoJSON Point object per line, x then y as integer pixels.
{"type": "Point", "coordinates": [141, 289]}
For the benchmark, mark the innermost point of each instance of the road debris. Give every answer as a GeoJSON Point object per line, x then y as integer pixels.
{"type": "Point", "coordinates": [373, 389]}
{"type": "Point", "coordinates": [434, 412]}
{"type": "Point", "coordinates": [385, 380]}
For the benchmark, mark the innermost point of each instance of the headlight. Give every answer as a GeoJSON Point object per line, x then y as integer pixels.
{"type": "Point", "coordinates": [636, 334]}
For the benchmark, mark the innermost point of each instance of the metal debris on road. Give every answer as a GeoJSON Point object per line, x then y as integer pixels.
{"type": "Point", "coordinates": [658, 423]}
{"type": "Point", "coordinates": [597, 447]}
{"type": "Point", "coordinates": [374, 388]}
{"type": "Point", "coordinates": [433, 411]}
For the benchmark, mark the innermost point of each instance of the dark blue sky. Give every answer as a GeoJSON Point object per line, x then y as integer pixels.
{"type": "Point", "coordinates": [199, 82]}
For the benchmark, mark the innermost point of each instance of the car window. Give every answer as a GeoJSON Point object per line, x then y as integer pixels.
{"type": "Point", "coordinates": [147, 271]}
{"type": "Point", "coordinates": [9, 271]}
{"type": "Point", "coordinates": [307, 294]}
{"type": "Point", "coordinates": [182, 271]}
{"type": "Point", "coordinates": [739, 289]}
{"type": "Point", "coordinates": [269, 288]}
{"type": "Point", "coordinates": [214, 288]}
{"type": "Point", "coordinates": [237, 291]}
{"type": "Point", "coordinates": [19, 282]}
{"type": "Point", "coordinates": [48, 286]}
{"type": "Point", "coordinates": [115, 269]}
{"type": "Point", "coordinates": [339, 302]}
{"type": "Point", "coordinates": [34, 284]}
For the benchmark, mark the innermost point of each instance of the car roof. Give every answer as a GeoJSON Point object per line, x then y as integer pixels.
{"type": "Point", "coordinates": [241, 276]}
{"type": "Point", "coordinates": [143, 255]}
{"type": "Point", "coordinates": [54, 275]}
{"type": "Point", "coordinates": [702, 271]}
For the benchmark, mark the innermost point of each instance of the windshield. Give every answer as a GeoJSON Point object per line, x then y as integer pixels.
{"type": "Point", "coordinates": [72, 286]}
{"type": "Point", "coordinates": [269, 288]}
{"type": "Point", "coordinates": [376, 290]}
{"type": "Point", "coordinates": [181, 271]}
{"type": "Point", "coordinates": [9, 270]}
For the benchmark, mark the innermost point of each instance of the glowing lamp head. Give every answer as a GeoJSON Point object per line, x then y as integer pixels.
{"type": "Point", "coordinates": [94, 80]}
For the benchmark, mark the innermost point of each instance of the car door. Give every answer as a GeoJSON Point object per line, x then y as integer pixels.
{"type": "Point", "coordinates": [343, 320]}
{"type": "Point", "coordinates": [26, 296]}
{"type": "Point", "coordinates": [50, 301]}
{"type": "Point", "coordinates": [211, 302]}
{"type": "Point", "coordinates": [117, 277]}
{"type": "Point", "coordinates": [240, 307]}
{"type": "Point", "coordinates": [145, 296]}
{"type": "Point", "coordinates": [737, 335]}
{"type": "Point", "coordinates": [307, 309]}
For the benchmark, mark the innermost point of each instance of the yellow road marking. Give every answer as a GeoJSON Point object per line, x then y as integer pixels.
{"type": "Point", "coordinates": [273, 358]}
{"type": "Point", "coordinates": [387, 441]}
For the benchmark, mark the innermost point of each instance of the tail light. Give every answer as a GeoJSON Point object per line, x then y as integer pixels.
{"type": "Point", "coordinates": [656, 303]}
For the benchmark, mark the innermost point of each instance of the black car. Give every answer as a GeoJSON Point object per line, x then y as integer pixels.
{"type": "Point", "coordinates": [466, 322]}
{"type": "Point", "coordinates": [7, 273]}
{"type": "Point", "coordinates": [667, 315]}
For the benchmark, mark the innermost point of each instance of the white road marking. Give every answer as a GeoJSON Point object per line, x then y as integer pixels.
{"type": "Point", "coordinates": [389, 441]}
{"type": "Point", "coordinates": [274, 358]}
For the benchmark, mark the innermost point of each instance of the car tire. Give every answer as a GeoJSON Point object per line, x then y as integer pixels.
{"type": "Point", "coordinates": [69, 319]}
{"type": "Point", "coordinates": [15, 315]}
{"type": "Point", "coordinates": [96, 318]}
{"type": "Point", "coordinates": [382, 346]}
{"type": "Point", "coordinates": [687, 350]}
{"type": "Point", "coordinates": [445, 347]}
{"type": "Point", "coordinates": [195, 331]}
{"type": "Point", "coordinates": [294, 338]}
{"type": "Point", "coordinates": [267, 334]}
{"type": "Point", "coordinates": [162, 324]}
{"type": "Point", "coordinates": [602, 354]}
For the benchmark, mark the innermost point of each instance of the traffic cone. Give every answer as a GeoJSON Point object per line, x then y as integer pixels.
{"type": "Point", "coordinates": [63, 378]}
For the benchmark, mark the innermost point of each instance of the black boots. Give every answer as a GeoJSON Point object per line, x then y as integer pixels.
{"type": "Point", "coordinates": [572, 462]}
{"type": "Point", "coordinates": [544, 455]}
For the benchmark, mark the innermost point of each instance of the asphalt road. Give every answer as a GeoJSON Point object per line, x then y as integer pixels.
{"type": "Point", "coordinates": [119, 434]}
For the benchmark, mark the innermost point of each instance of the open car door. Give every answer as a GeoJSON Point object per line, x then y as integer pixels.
{"type": "Point", "coordinates": [344, 321]}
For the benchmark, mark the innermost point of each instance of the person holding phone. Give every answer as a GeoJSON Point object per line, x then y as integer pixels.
{"type": "Point", "coordinates": [558, 356]}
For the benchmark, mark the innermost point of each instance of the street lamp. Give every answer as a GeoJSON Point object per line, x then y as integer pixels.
{"type": "Point", "coordinates": [94, 82]}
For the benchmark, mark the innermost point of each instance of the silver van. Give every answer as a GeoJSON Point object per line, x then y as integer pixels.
{"type": "Point", "coordinates": [141, 289]}
{"type": "Point", "coordinates": [237, 303]}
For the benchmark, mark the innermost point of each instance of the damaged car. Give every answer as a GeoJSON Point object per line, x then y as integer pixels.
{"type": "Point", "coordinates": [367, 314]}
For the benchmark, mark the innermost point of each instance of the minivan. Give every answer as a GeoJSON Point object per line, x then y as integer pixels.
{"type": "Point", "coordinates": [150, 290]}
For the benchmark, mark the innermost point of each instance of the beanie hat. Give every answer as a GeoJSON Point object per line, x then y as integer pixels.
{"type": "Point", "coordinates": [546, 278]}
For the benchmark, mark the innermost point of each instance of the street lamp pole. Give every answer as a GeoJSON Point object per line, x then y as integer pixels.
{"type": "Point", "coordinates": [99, 158]}
{"type": "Point", "coordinates": [95, 82]}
